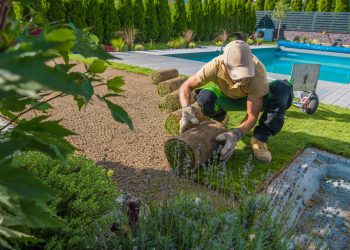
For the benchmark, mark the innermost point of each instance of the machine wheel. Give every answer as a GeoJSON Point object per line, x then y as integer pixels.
{"type": "Point", "coordinates": [311, 105]}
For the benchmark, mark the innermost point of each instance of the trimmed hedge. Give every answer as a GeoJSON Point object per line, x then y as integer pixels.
{"type": "Point", "coordinates": [84, 195]}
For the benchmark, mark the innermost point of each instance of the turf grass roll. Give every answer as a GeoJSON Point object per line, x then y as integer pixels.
{"type": "Point", "coordinates": [163, 75]}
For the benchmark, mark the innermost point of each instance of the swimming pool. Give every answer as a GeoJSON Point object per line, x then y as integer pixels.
{"type": "Point", "coordinates": [333, 68]}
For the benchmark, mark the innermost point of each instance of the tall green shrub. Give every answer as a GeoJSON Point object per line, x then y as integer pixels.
{"type": "Point", "coordinates": [179, 18]}
{"type": "Point", "coordinates": [56, 10]}
{"type": "Point", "coordinates": [214, 18]}
{"type": "Point", "coordinates": [192, 15]}
{"type": "Point", "coordinates": [311, 5]}
{"type": "Point", "coordinates": [297, 5]}
{"type": "Point", "coordinates": [269, 4]}
{"type": "Point", "coordinates": [84, 194]}
{"type": "Point", "coordinates": [341, 6]}
{"type": "Point", "coordinates": [324, 5]}
{"type": "Point", "coordinates": [94, 18]}
{"type": "Point", "coordinates": [125, 13]}
{"type": "Point", "coordinates": [164, 20]}
{"type": "Point", "coordinates": [200, 24]}
{"type": "Point", "coordinates": [139, 20]}
{"type": "Point", "coordinates": [259, 4]}
{"type": "Point", "coordinates": [151, 21]}
{"type": "Point", "coordinates": [76, 12]}
{"type": "Point", "coordinates": [111, 21]}
{"type": "Point", "coordinates": [208, 25]}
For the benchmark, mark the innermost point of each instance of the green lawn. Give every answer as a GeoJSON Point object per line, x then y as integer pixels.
{"type": "Point", "coordinates": [328, 129]}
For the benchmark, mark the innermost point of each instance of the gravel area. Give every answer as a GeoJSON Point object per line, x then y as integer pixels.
{"type": "Point", "coordinates": [135, 156]}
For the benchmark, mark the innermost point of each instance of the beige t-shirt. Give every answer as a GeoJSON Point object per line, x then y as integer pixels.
{"type": "Point", "coordinates": [254, 87]}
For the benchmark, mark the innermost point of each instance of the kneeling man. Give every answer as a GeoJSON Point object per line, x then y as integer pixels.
{"type": "Point", "coordinates": [239, 77]}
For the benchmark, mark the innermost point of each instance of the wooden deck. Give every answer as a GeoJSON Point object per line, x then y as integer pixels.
{"type": "Point", "coordinates": [328, 92]}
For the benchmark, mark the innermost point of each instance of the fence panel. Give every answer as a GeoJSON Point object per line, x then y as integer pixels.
{"type": "Point", "coordinates": [337, 22]}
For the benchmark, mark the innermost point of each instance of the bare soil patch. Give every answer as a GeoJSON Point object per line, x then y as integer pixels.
{"type": "Point", "coordinates": [137, 157]}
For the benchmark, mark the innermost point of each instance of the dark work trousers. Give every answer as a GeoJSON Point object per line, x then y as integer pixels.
{"type": "Point", "coordinates": [275, 105]}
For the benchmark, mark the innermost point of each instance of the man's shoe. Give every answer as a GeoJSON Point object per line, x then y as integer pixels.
{"type": "Point", "coordinates": [260, 150]}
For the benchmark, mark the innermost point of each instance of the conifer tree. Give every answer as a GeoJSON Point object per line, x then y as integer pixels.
{"type": "Point", "coordinates": [164, 20]}
{"type": "Point", "coordinates": [297, 5]}
{"type": "Point", "coordinates": [259, 4]}
{"type": "Point", "coordinates": [341, 6]}
{"type": "Point", "coordinates": [111, 23]}
{"type": "Point", "coordinates": [269, 4]}
{"type": "Point", "coordinates": [94, 18]}
{"type": "Point", "coordinates": [214, 17]}
{"type": "Point", "coordinates": [324, 5]}
{"type": "Point", "coordinates": [225, 14]}
{"type": "Point", "coordinates": [179, 17]}
{"type": "Point", "coordinates": [208, 25]}
{"type": "Point", "coordinates": [139, 20]}
{"type": "Point", "coordinates": [76, 12]}
{"type": "Point", "coordinates": [55, 10]}
{"type": "Point", "coordinates": [247, 17]}
{"type": "Point", "coordinates": [200, 24]}
{"type": "Point", "coordinates": [252, 18]}
{"type": "Point", "coordinates": [125, 13]}
{"type": "Point", "coordinates": [192, 16]}
{"type": "Point", "coordinates": [311, 5]}
{"type": "Point", "coordinates": [151, 20]}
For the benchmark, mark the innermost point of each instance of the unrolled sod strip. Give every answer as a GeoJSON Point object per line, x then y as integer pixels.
{"type": "Point", "coordinates": [172, 120]}
{"type": "Point", "coordinates": [171, 102]}
{"type": "Point", "coordinates": [170, 85]}
{"type": "Point", "coordinates": [193, 147]}
{"type": "Point", "coordinates": [163, 75]}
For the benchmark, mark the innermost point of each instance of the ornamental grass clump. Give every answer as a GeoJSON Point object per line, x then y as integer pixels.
{"type": "Point", "coordinates": [118, 44]}
{"type": "Point", "coordinates": [129, 36]}
{"type": "Point", "coordinates": [188, 36]}
{"type": "Point", "coordinates": [177, 43]}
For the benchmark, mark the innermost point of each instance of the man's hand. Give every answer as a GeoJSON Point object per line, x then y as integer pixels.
{"type": "Point", "coordinates": [188, 118]}
{"type": "Point", "coordinates": [230, 138]}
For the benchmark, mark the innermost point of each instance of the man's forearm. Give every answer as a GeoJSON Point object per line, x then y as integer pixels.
{"type": "Point", "coordinates": [248, 124]}
{"type": "Point", "coordinates": [185, 90]}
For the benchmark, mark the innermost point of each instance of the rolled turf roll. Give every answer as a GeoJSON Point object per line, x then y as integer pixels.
{"type": "Point", "coordinates": [193, 147]}
{"type": "Point", "coordinates": [172, 120]}
{"type": "Point", "coordinates": [170, 85]}
{"type": "Point", "coordinates": [163, 75]}
{"type": "Point", "coordinates": [171, 102]}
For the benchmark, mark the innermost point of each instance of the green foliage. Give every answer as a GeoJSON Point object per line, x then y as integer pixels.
{"type": "Point", "coordinates": [311, 5]}
{"type": "Point", "coordinates": [56, 10]}
{"type": "Point", "coordinates": [125, 13]}
{"type": "Point", "coordinates": [94, 18]}
{"type": "Point", "coordinates": [259, 4]}
{"type": "Point", "coordinates": [177, 43]}
{"type": "Point", "coordinates": [83, 193]}
{"type": "Point", "coordinates": [76, 13]}
{"type": "Point", "coordinates": [111, 21]}
{"type": "Point", "coordinates": [324, 5]}
{"type": "Point", "coordinates": [118, 44]}
{"type": "Point", "coordinates": [151, 20]}
{"type": "Point", "coordinates": [208, 25]}
{"type": "Point", "coordinates": [192, 45]}
{"type": "Point", "coordinates": [164, 20]}
{"type": "Point", "coordinates": [139, 47]}
{"type": "Point", "coordinates": [191, 222]}
{"type": "Point", "coordinates": [29, 83]}
{"type": "Point", "coordinates": [192, 15]}
{"type": "Point", "coordinates": [200, 19]}
{"type": "Point", "coordinates": [139, 20]}
{"type": "Point", "coordinates": [341, 6]}
{"type": "Point", "coordinates": [297, 5]}
{"type": "Point", "coordinates": [179, 17]}
{"type": "Point", "coordinates": [270, 4]}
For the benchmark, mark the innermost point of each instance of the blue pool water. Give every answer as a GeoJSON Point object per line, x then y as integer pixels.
{"type": "Point", "coordinates": [333, 68]}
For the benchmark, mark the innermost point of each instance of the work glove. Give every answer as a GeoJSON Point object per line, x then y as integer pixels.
{"type": "Point", "coordinates": [188, 118]}
{"type": "Point", "coordinates": [230, 139]}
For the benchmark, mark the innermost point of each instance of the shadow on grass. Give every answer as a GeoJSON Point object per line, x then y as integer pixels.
{"type": "Point", "coordinates": [322, 113]}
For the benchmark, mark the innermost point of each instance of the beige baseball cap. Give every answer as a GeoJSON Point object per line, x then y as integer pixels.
{"type": "Point", "coordinates": [239, 60]}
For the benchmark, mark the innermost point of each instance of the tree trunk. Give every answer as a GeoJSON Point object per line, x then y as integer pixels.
{"type": "Point", "coordinates": [279, 29]}
{"type": "Point", "coordinates": [4, 11]}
